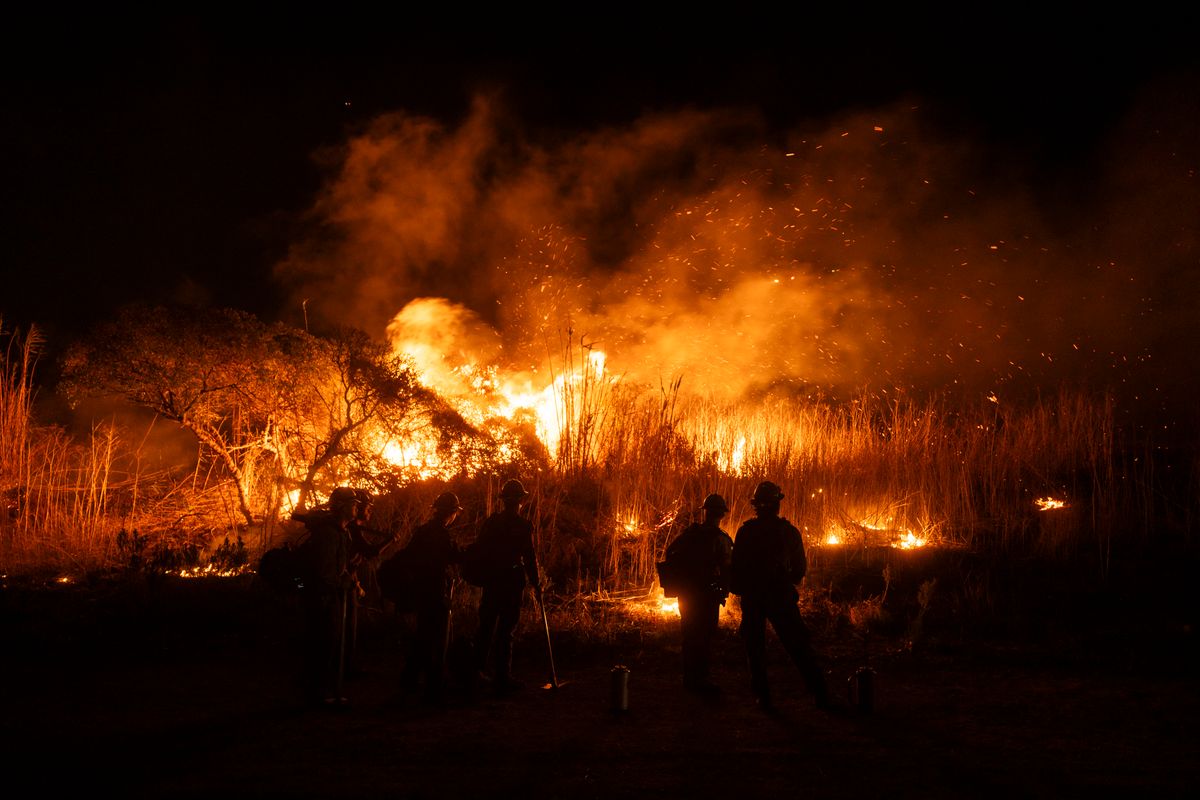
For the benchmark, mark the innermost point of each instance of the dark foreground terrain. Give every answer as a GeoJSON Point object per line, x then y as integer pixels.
{"type": "Point", "coordinates": [188, 689]}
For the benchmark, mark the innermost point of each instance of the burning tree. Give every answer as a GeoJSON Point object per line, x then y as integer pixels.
{"type": "Point", "coordinates": [337, 398]}
{"type": "Point", "coordinates": [276, 407]}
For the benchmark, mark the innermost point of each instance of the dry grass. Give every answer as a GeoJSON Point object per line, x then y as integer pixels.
{"type": "Point", "coordinates": [633, 463]}
{"type": "Point", "coordinates": [870, 472]}
{"type": "Point", "coordinates": [67, 499]}
{"type": "Point", "coordinates": [58, 492]}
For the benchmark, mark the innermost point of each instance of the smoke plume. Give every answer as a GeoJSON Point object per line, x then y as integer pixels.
{"type": "Point", "coordinates": [869, 251]}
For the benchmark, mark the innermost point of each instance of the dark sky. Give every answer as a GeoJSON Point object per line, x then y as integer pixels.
{"type": "Point", "coordinates": [173, 159]}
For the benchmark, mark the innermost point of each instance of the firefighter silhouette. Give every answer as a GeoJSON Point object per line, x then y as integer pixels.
{"type": "Point", "coordinates": [768, 562]}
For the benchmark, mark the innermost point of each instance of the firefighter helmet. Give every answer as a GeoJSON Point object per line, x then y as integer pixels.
{"type": "Point", "coordinates": [342, 496]}
{"type": "Point", "coordinates": [714, 502]}
{"type": "Point", "coordinates": [766, 493]}
{"type": "Point", "coordinates": [514, 489]}
{"type": "Point", "coordinates": [447, 501]}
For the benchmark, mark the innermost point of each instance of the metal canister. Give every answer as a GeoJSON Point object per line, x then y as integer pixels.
{"type": "Point", "coordinates": [620, 689]}
{"type": "Point", "coordinates": [861, 689]}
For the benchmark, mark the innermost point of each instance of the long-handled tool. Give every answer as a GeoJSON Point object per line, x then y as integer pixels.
{"type": "Point", "coordinates": [554, 684]}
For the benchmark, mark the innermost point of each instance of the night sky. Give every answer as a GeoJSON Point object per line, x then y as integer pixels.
{"type": "Point", "coordinates": [174, 160]}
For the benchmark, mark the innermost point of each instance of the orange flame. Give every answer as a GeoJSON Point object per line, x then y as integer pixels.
{"type": "Point", "coordinates": [211, 571]}
{"type": "Point", "coordinates": [456, 355]}
{"type": "Point", "coordinates": [909, 541]}
{"type": "Point", "coordinates": [879, 529]}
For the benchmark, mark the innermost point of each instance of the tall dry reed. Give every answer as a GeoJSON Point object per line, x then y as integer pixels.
{"type": "Point", "coordinates": [870, 473]}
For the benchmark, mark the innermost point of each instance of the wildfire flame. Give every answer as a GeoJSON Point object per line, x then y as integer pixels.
{"type": "Point", "coordinates": [456, 355]}
{"type": "Point", "coordinates": [1049, 503]}
{"type": "Point", "coordinates": [290, 499]}
{"type": "Point", "coordinates": [417, 455]}
{"type": "Point", "coordinates": [878, 529]}
{"type": "Point", "coordinates": [642, 601]}
{"type": "Point", "coordinates": [733, 239]}
{"type": "Point", "coordinates": [732, 464]}
{"type": "Point", "coordinates": [211, 571]}
{"type": "Point", "coordinates": [910, 541]}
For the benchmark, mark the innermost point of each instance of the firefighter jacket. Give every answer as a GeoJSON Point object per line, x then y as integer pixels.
{"type": "Point", "coordinates": [326, 553]}
{"type": "Point", "coordinates": [768, 560]}
{"type": "Point", "coordinates": [502, 555]}
{"type": "Point", "coordinates": [701, 557]}
{"type": "Point", "coordinates": [428, 557]}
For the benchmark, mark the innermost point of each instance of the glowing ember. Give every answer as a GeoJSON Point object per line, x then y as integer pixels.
{"type": "Point", "coordinates": [668, 607]}
{"type": "Point", "coordinates": [63, 579]}
{"type": "Point", "coordinates": [832, 538]}
{"type": "Point", "coordinates": [1049, 503]}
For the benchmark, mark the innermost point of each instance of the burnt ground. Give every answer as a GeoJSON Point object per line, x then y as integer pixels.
{"type": "Point", "coordinates": [188, 689]}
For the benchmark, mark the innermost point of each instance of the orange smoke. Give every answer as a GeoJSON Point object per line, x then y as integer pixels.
{"type": "Point", "coordinates": [867, 252]}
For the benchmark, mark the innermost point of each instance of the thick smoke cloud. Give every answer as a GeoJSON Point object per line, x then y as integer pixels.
{"type": "Point", "coordinates": [868, 251]}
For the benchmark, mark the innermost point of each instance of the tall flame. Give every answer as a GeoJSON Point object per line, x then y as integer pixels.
{"type": "Point", "coordinates": [457, 355]}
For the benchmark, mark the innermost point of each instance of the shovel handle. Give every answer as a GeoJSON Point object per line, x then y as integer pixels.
{"type": "Point", "coordinates": [549, 647]}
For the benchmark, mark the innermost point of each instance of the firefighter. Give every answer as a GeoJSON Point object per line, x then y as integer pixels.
{"type": "Point", "coordinates": [327, 585]}
{"type": "Point", "coordinates": [366, 545]}
{"type": "Point", "coordinates": [768, 563]}
{"type": "Point", "coordinates": [429, 555]}
{"type": "Point", "coordinates": [701, 557]}
{"type": "Point", "coordinates": [503, 558]}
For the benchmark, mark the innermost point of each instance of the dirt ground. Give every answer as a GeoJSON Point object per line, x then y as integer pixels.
{"type": "Point", "coordinates": [190, 691]}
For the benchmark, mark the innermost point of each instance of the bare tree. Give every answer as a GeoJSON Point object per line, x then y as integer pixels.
{"type": "Point", "coordinates": [252, 392]}
{"type": "Point", "coordinates": [201, 369]}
